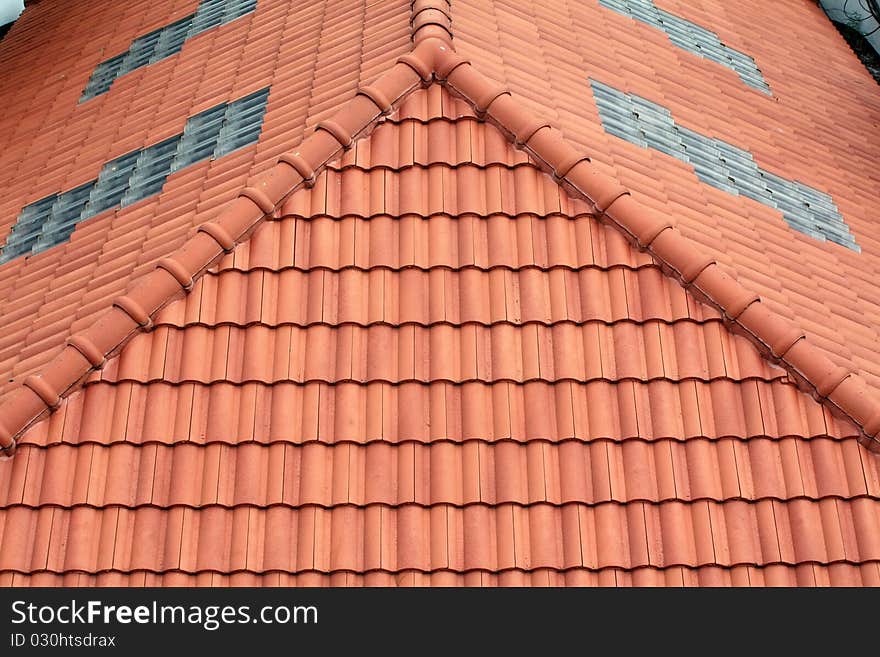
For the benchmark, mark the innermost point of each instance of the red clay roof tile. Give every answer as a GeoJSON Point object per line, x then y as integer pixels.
{"type": "Point", "coordinates": [430, 367]}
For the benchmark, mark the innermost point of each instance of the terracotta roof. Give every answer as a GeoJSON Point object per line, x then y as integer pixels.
{"type": "Point", "coordinates": [386, 342]}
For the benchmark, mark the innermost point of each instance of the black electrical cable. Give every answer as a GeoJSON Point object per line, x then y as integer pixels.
{"type": "Point", "coordinates": [873, 10]}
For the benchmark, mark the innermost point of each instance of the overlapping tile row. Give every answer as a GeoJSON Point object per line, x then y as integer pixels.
{"type": "Point", "coordinates": [441, 537]}
{"type": "Point", "coordinates": [545, 55]}
{"type": "Point", "coordinates": [529, 240]}
{"type": "Point", "coordinates": [435, 295]}
{"type": "Point", "coordinates": [472, 472]}
{"type": "Point", "coordinates": [466, 189]}
{"type": "Point", "coordinates": [426, 413]}
{"type": "Point", "coordinates": [623, 351]}
{"type": "Point", "coordinates": [53, 143]}
{"type": "Point", "coordinates": [838, 574]}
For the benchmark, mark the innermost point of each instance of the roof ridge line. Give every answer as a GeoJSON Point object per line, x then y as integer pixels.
{"type": "Point", "coordinates": [778, 340]}
{"type": "Point", "coordinates": [433, 59]}
{"type": "Point", "coordinates": [88, 350]}
{"type": "Point", "coordinates": [430, 19]}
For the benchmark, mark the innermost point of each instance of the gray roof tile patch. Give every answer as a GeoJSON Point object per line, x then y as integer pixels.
{"type": "Point", "coordinates": [164, 42]}
{"type": "Point", "coordinates": [137, 175]}
{"type": "Point", "coordinates": [720, 164]}
{"type": "Point", "coordinates": [693, 38]}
